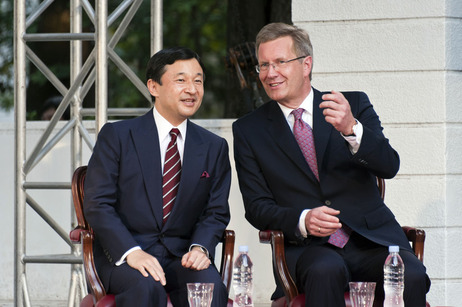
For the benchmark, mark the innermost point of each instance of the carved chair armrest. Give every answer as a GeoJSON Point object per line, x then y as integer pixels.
{"type": "Point", "coordinates": [417, 238]}
{"type": "Point", "coordinates": [96, 286]}
{"type": "Point", "coordinates": [276, 239]}
{"type": "Point", "coordinates": [76, 234]}
{"type": "Point", "coordinates": [227, 253]}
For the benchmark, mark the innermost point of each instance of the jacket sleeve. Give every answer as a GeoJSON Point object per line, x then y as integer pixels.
{"type": "Point", "coordinates": [101, 195]}
{"type": "Point", "coordinates": [375, 152]}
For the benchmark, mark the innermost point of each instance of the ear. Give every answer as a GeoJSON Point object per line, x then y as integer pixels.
{"type": "Point", "coordinates": [152, 87]}
{"type": "Point", "coordinates": [308, 65]}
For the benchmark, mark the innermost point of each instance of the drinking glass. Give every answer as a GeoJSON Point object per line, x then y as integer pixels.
{"type": "Point", "coordinates": [200, 294]}
{"type": "Point", "coordinates": [362, 294]}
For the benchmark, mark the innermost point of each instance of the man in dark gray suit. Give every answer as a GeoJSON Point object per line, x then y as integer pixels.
{"type": "Point", "coordinates": [153, 237]}
{"type": "Point", "coordinates": [308, 164]}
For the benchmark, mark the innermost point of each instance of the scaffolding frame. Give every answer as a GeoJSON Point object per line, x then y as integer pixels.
{"type": "Point", "coordinates": [82, 76]}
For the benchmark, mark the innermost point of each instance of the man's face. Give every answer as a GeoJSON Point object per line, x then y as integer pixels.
{"type": "Point", "coordinates": [288, 84]}
{"type": "Point", "coordinates": [181, 92]}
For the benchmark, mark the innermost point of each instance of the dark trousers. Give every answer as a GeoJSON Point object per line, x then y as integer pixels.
{"type": "Point", "coordinates": [133, 289]}
{"type": "Point", "coordinates": [323, 272]}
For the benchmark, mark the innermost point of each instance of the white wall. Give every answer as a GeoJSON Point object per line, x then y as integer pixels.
{"type": "Point", "coordinates": [406, 56]}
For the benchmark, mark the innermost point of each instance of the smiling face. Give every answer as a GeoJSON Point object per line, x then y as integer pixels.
{"type": "Point", "coordinates": [181, 92]}
{"type": "Point", "coordinates": [290, 84]}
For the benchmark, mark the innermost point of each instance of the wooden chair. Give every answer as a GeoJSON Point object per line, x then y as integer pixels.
{"type": "Point", "coordinates": [294, 299]}
{"type": "Point", "coordinates": [83, 234]}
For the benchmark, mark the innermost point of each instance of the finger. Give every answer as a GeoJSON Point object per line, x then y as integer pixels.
{"type": "Point", "coordinates": [143, 271]}
{"type": "Point", "coordinates": [329, 210]}
{"type": "Point", "coordinates": [158, 275]}
{"type": "Point", "coordinates": [201, 263]}
{"type": "Point", "coordinates": [156, 271]}
{"type": "Point", "coordinates": [189, 259]}
{"type": "Point", "coordinates": [184, 260]}
{"type": "Point", "coordinates": [325, 214]}
{"type": "Point", "coordinates": [324, 232]}
{"type": "Point", "coordinates": [334, 96]}
{"type": "Point", "coordinates": [205, 263]}
{"type": "Point", "coordinates": [329, 105]}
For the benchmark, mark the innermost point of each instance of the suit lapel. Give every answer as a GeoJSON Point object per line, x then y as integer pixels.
{"type": "Point", "coordinates": [146, 140]}
{"type": "Point", "coordinates": [321, 129]}
{"type": "Point", "coordinates": [285, 139]}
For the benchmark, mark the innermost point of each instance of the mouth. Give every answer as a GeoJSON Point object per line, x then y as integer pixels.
{"type": "Point", "coordinates": [274, 84]}
{"type": "Point", "coordinates": [188, 101]}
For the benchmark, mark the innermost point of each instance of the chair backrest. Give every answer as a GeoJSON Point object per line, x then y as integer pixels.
{"type": "Point", "coordinates": [84, 234]}
{"type": "Point", "coordinates": [78, 180]}
{"type": "Point", "coordinates": [381, 185]}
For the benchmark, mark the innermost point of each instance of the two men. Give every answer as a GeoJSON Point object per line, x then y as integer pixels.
{"type": "Point", "coordinates": [153, 237]}
{"type": "Point", "coordinates": [308, 164]}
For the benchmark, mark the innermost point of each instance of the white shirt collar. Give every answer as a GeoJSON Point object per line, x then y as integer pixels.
{"type": "Point", "coordinates": [307, 104]}
{"type": "Point", "coordinates": [164, 127]}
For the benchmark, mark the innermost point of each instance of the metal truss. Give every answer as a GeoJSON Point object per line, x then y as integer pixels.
{"type": "Point", "coordinates": [82, 75]}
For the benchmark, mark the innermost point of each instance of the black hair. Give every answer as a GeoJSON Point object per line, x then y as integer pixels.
{"type": "Point", "coordinates": [156, 65]}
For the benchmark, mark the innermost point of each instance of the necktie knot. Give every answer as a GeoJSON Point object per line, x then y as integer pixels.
{"type": "Point", "coordinates": [174, 134]}
{"type": "Point", "coordinates": [298, 113]}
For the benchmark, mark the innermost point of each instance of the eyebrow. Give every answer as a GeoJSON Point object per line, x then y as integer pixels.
{"type": "Point", "coordinates": [278, 59]}
{"type": "Point", "coordinates": [183, 73]}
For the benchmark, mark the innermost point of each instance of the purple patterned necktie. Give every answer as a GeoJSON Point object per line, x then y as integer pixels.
{"type": "Point", "coordinates": [171, 176]}
{"type": "Point", "coordinates": [340, 237]}
{"type": "Point", "coordinates": [304, 136]}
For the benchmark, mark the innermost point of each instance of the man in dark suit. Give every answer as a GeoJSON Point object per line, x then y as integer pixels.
{"type": "Point", "coordinates": [153, 238]}
{"type": "Point", "coordinates": [316, 195]}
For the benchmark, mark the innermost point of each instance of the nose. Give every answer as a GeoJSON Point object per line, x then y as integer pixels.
{"type": "Point", "coordinates": [191, 87]}
{"type": "Point", "coordinates": [272, 70]}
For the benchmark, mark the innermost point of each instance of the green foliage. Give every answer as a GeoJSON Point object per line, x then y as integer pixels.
{"type": "Point", "coordinates": [197, 24]}
{"type": "Point", "coordinates": [6, 54]}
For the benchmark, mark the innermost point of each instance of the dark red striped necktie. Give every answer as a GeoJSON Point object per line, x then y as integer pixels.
{"type": "Point", "coordinates": [171, 176]}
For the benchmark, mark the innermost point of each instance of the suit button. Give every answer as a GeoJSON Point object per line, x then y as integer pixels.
{"type": "Point", "coordinates": [328, 203]}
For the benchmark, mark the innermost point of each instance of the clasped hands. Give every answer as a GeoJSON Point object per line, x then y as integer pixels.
{"type": "Point", "coordinates": [147, 264]}
{"type": "Point", "coordinates": [322, 221]}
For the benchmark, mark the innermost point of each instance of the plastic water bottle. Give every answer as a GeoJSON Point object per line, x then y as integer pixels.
{"type": "Point", "coordinates": [393, 279]}
{"type": "Point", "coordinates": [242, 278]}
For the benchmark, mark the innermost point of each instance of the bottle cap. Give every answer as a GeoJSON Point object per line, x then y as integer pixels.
{"type": "Point", "coordinates": [243, 249]}
{"type": "Point", "coordinates": [393, 249]}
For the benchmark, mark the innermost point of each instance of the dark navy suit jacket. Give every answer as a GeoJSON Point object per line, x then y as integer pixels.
{"type": "Point", "coordinates": [277, 183]}
{"type": "Point", "coordinates": [123, 192]}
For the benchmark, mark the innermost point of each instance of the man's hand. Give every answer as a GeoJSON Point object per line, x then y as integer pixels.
{"type": "Point", "coordinates": [196, 259]}
{"type": "Point", "coordinates": [337, 112]}
{"type": "Point", "coordinates": [322, 221]}
{"type": "Point", "coordinates": [147, 265]}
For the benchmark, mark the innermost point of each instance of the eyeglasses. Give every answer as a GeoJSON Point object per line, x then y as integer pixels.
{"type": "Point", "coordinates": [280, 64]}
